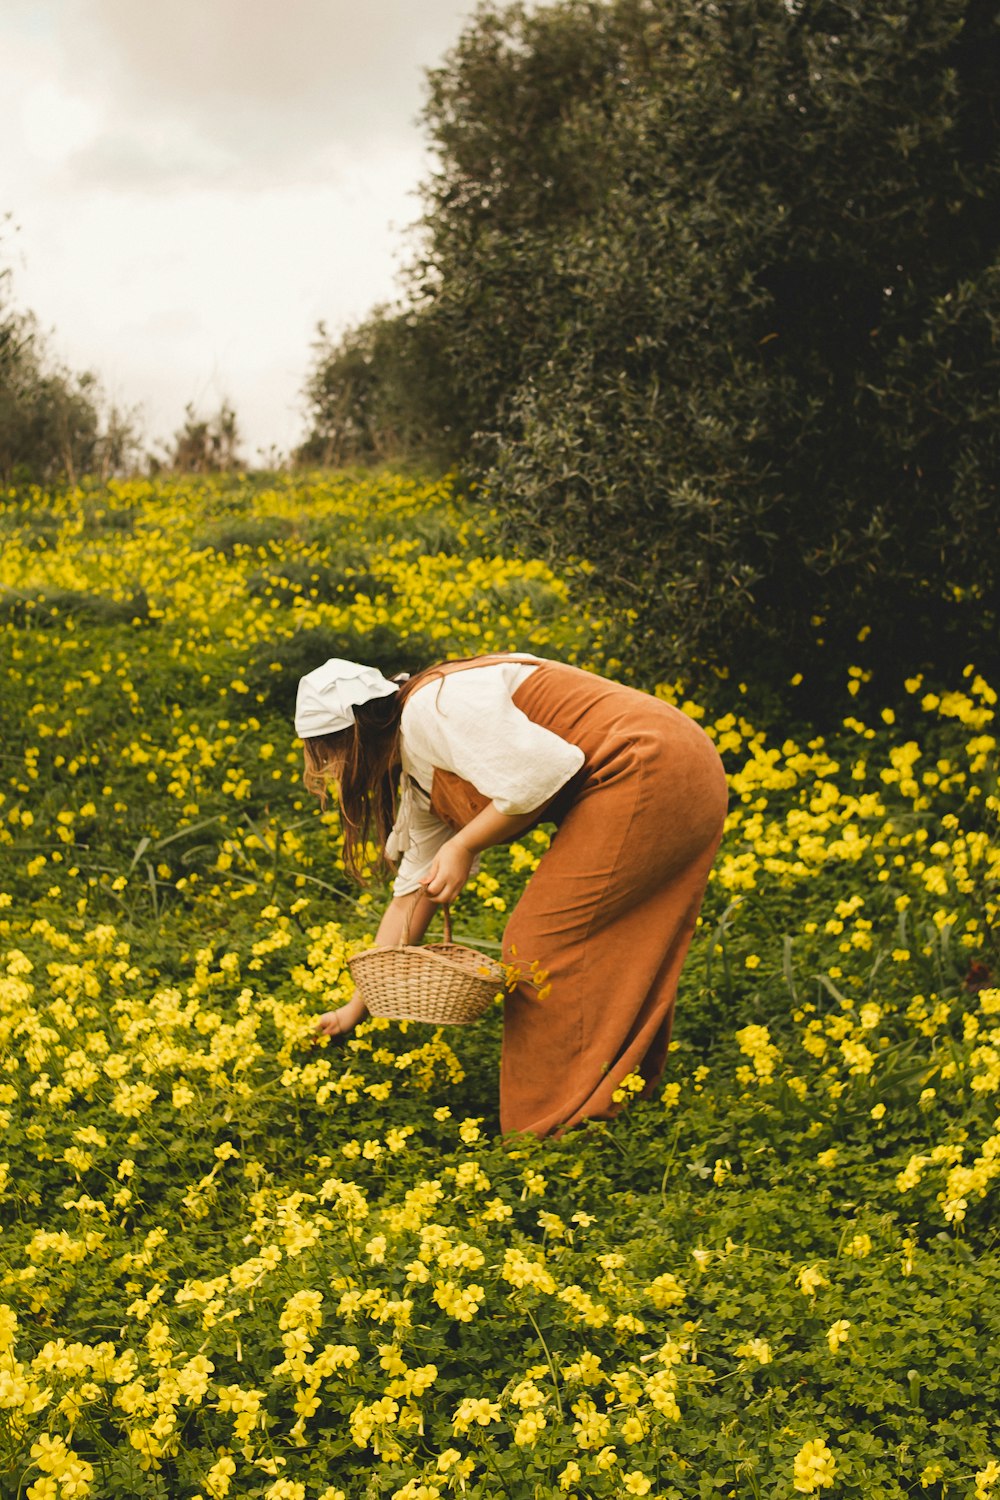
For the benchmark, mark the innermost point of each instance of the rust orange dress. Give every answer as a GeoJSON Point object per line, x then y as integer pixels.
{"type": "Point", "coordinates": [606, 920]}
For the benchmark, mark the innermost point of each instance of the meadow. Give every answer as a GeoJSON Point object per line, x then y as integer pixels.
{"type": "Point", "coordinates": [236, 1260]}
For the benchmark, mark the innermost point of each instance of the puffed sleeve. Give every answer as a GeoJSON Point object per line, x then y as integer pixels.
{"type": "Point", "coordinates": [416, 837]}
{"type": "Point", "coordinates": [468, 723]}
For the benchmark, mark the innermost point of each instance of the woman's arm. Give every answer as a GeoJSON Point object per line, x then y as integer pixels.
{"type": "Point", "coordinates": [405, 919]}
{"type": "Point", "coordinates": [446, 878]}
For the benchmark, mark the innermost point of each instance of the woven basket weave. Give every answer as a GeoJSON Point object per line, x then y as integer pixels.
{"type": "Point", "coordinates": [445, 983]}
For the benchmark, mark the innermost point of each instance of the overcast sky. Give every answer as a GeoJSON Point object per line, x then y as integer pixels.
{"type": "Point", "coordinates": [195, 183]}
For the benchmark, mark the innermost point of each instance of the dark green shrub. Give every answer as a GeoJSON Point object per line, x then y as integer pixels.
{"type": "Point", "coordinates": [45, 609]}
{"type": "Point", "coordinates": [307, 649]}
{"type": "Point", "coordinates": [254, 532]}
{"type": "Point", "coordinates": [710, 296]}
{"type": "Point", "coordinates": [303, 578]}
{"type": "Point", "coordinates": [42, 531]}
{"type": "Point", "coordinates": [100, 519]}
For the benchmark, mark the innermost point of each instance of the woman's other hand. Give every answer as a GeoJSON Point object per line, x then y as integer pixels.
{"type": "Point", "coordinates": [447, 876]}
{"type": "Point", "coordinates": [341, 1022]}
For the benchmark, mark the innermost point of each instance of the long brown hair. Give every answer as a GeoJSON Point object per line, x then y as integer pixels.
{"type": "Point", "coordinates": [368, 754]}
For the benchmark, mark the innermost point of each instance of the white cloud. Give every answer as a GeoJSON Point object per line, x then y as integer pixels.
{"type": "Point", "coordinates": [54, 123]}
{"type": "Point", "coordinates": [199, 182]}
{"type": "Point", "coordinates": [254, 88]}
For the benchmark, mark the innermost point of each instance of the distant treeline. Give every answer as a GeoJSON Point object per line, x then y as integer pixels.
{"type": "Point", "coordinates": [54, 423]}
{"type": "Point", "coordinates": [709, 294]}
{"type": "Point", "coordinates": [57, 425]}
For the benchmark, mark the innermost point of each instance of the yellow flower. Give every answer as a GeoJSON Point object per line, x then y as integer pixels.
{"type": "Point", "coordinates": [758, 1349]}
{"type": "Point", "coordinates": [521, 1271]}
{"type": "Point", "coordinates": [660, 1388]}
{"type": "Point", "coordinates": [302, 1310]}
{"type": "Point", "coordinates": [986, 1479]}
{"type": "Point", "coordinates": [814, 1467]}
{"type": "Point", "coordinates": [527, 1395]}
{"type": "Point", "coordinates": [8, 1326]}
{"type": "Point", "coordinates": [460, 1303]}
{"type": "Point", "coordinates": [587, 1369]}
{"type": "Point", "coordinates": [217, 1480]}
{"type": "Point", "coordinates": [285, 1489]}
{"type": "Point", "coordinates": [632, 1083]}
{"type": "Point", "coordinates": [809, 1280]}
{"type": "Point", "coordinates": [636, 1483]}
{"type": "Point", "coordinates": [665, 1291]}
{"type": "Point", "coordinates": [838, 1333]}
{"type": "Point", "coordinates": [474, 1410]}
{"type": "Point", "coordinates": [591, 1427]}
{"type": "Point", "coordinates": [528, 1429]}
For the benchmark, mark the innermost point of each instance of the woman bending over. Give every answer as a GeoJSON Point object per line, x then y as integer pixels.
{"type": "Point", "coordinates": [481, 751]}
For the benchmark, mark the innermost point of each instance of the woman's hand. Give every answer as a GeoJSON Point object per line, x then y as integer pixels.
{"type": "Point", "coordinates": [341, 1022]}
{"type": "Point", "coordinates": [446, 878]}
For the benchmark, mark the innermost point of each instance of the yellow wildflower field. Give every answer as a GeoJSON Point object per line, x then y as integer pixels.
{"type": "Point", "coordinates": [235, 1260]}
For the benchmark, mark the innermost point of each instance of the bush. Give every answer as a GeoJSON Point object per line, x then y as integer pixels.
{"type": "Point", "coordinates": [255, 533]}
{"type": "Point", "coordinates": [205, 445]}
{"type": "Point", "coordinates": [46, 609]}
{"type": "Point", "coordinates": [309, 579]}
{"type": "Point", "coordinates": [274, 670]}
{"type": "Point", "coordinates": [710, 296]}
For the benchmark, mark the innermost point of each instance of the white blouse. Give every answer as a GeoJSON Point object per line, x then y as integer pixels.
{"type": "Point", "coordinates": [467, 723]}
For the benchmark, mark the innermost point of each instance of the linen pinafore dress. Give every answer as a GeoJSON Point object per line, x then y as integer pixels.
{"type": "Point", "coordinates": [605, 922]}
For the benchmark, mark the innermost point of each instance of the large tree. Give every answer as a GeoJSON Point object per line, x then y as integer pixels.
{"type": "Point", "coordinates": [709, 293]}
{"type": "Point", "coordinates": [378, 393]}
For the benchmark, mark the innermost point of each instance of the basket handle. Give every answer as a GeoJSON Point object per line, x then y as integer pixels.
{"type": "Point", "coordinates": [409, 914]}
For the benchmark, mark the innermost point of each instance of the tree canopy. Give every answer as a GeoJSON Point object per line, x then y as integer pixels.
{"type": "Point", "coordinates": [708, 293]}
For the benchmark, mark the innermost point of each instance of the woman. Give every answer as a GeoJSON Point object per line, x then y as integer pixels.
{"type": "Point", "coordinates": [483, 750]}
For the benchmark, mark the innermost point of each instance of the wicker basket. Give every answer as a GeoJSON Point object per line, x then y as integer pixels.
{"type": "Point", "coordinates": [445, 983]}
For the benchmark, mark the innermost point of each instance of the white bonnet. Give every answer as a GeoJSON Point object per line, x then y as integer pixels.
{"type": "Point", "coordinates": [327, 696]}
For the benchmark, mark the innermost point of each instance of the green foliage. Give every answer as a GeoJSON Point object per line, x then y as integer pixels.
{"type": "Point", "coordinates": [709, 295]}
{"type": "Point", "coordinates": [381, 646]}
{"type": "Point", "coordinates": [48, 417]}
{"type": "Point", "coordinates": [47, 609]}
{"type": "Point", "coordinates": [205, 445]}
{"type": "Point", "coordinates": [255, 533]}
{"type": "Point", "coordinates": [367, 395]}
{"type": "Point", "coordinates": [209, 1214]}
